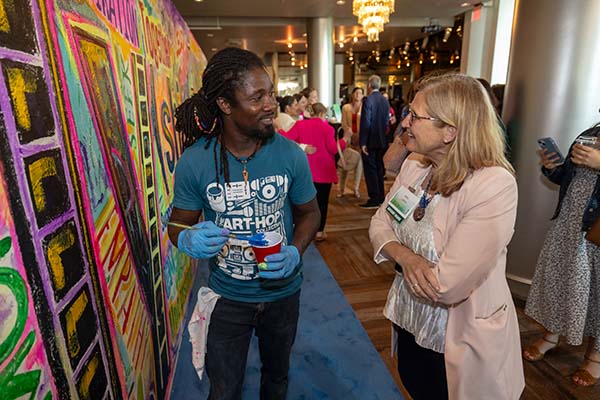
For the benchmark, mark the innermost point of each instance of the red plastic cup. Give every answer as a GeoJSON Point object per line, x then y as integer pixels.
{"type": "Point", "coordinates": [274, 240]}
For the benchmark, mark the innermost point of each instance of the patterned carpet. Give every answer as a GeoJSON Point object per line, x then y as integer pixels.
{"type": "Point", "coordinates": [332, 358]}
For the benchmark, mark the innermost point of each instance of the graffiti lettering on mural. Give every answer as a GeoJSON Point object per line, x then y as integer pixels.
{"type": "Point", "coordinates": [64, 259]}
{"type": "Point", "coordinates": [155, 93]}
{"type": "Point", "coordinates": [117, 155]}
{"type": "Point", "coordinates": [16, 26]}
{"type": "Point", "coordinates": [97, 72]}
{"type": "Point", "coordinates": [47, 183]}
{"type": "Point", "coordinates": [172, 150]}
{"type": "Point", "coordinates": [126, 86]}
{"type": "Point", "coordinates": [92, 380]}
{"type": "Point", "coordinates": [97, 178]}
{"type": "Point", "coordinates": [14, 305]}
{"type": "Point", "coordinates": [122, 15]}
{"type": "Point", "coordinates": [78, 322]}
{"type": "Point", "coordinates": [127, 306]}
{"type": "Point", "coordinates": [29, 100]}
{"type": "Point", "coordinates": [157, 43]}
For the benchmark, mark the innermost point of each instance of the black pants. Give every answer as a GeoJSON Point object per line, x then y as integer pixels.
{"type": "Point", "coordinates": [323, 190]}
{"type": "Point", "coordinates": [423, 371]}
{"type": "Point", "coordinates": [374, 173]}
{"type": "Point", "coordinates": [231, 326]}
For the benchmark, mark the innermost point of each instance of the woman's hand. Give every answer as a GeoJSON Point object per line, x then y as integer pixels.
{"type": "Point", "coordinates": [586, 156]}
{"type": "Point", "coordinates": [419, 275]}
{"type": "Point", "coordinates": [548, 159]}
{"type": "Point", "coordinates": [347, 137]}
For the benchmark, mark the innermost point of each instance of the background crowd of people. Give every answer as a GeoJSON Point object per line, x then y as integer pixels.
{"type": "Point", "coordinates": [446, 222]}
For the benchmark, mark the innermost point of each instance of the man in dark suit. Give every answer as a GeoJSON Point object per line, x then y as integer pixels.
{"type": "Point", "coordinates": [374, 122]}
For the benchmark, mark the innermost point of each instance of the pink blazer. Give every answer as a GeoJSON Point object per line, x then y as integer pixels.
{"type": "Point", "coordinates": [321, 135]}
{"type": "Point", "coordinates": [472, 228]}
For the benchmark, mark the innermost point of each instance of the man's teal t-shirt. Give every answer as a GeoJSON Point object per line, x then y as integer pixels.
{"type": "Point", "coordinates": [278, 177]}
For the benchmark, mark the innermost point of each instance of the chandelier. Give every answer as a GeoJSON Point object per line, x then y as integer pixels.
{"type": "Point", "coordinates": [372, 15]}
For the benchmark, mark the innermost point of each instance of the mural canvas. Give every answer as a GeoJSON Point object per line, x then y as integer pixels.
{"type": "Point", "coordinates": [92, 293]}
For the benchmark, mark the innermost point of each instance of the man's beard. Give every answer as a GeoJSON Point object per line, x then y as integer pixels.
{"type": "Point", "coordinates": [262, 134]}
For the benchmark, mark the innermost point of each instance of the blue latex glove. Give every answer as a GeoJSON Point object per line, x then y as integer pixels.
{"type": "Point", "coordinates": [203, 240]}
{"type": "Point", "coordinates": [280, 265]}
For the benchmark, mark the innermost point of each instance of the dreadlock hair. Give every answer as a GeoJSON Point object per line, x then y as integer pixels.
{"type": "Point", "coordinates": [199, 116]}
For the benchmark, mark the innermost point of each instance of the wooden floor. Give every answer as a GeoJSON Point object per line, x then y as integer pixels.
{"type": "Point", "coordinates": [349, 255]}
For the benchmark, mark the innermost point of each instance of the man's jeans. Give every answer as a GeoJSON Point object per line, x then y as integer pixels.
{"type": "Point", "coordinates": [229, 334]}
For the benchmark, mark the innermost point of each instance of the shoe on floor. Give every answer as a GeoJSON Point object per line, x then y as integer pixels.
{"type": "Point", "coordinates": [536, 351]}
{"type": "Point", "coordinates": [369, 205]}
{"type": "Point", "coordinates": [339, 195]}
{"type": "Point", "coordinates": [584, 377]}
{"type": "Point", "coordinates": [357, 194]}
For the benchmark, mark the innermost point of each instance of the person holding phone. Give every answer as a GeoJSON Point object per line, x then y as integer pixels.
{"type": "Point", "coordinates": [565, 293]}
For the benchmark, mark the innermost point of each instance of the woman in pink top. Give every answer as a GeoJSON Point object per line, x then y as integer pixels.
{"type": "Point", "coordinates": [319, 134]}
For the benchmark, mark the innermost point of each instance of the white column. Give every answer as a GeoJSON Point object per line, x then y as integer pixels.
{"type": "Point", "coordinates": [506, 11]}
{"type": "Point", "coordinates": [486, 40]}
{"type": "Point", "coordinates": [478, 41]}
{"type": "Point", "coordinates": [553, 89]}
{"type": "Point", "coordinates": [275, 67]}
{"type": "Point", "coordinates": [320, 58]}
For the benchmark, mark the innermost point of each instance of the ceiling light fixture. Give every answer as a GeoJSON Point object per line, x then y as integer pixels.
{"type": "Point", "coordinates": [340, 2]}
{"type": "Point", "coordinates": [373, 15]}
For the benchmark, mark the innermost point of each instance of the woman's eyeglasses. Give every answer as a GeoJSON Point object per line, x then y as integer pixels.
{"type": "Point", "coordinates": [413, 116]}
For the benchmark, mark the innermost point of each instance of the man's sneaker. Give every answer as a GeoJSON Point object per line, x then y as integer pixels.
{"type": "Point", "coordinates": [369, 205]}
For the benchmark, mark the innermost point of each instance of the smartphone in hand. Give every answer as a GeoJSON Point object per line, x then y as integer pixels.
{"type": "Point", "coordinates": [550, 146]}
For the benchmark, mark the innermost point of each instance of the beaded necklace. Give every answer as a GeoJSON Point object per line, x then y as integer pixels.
{"type": "Point", "coordinates": [424, 201]}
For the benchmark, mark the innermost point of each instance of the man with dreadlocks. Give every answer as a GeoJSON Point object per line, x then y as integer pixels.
{"type": "Point", "coordinates": [244, 179]}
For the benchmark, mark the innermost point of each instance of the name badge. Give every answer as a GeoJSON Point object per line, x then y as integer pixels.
{"type": "Point", "coordinates": [402, 204]}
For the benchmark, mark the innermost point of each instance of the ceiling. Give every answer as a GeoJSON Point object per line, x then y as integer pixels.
{"type": "Point", "coordinates": [266, 26]}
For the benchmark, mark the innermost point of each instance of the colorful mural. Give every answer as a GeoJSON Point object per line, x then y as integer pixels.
{"type": "Point", "coordinates": [92, 293]}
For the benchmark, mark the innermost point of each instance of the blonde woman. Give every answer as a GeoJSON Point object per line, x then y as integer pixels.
{"type": "Point", "coordinates": [350, 160]}
{"type": "Point", "coordinates": [447, 228]}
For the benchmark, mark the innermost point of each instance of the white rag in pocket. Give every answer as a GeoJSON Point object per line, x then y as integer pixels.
{"type": "Point", "coordinates": [198, 326]}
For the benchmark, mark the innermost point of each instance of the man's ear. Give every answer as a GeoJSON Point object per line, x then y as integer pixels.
{"type": "Point", "coordinates": [224, 106]}
{"type": "Point", "coordinates": [449, 134]}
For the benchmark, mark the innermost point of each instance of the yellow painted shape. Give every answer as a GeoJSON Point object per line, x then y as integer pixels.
{"type": "Point", "coordinates": [21, 83]}
{"type": "Point", "coordinates": [56, 247]}
{"type": "Point", "coordinates": [4, 24]}
{"type": "Point", "coordinates": [39, 170]}
{"type": "Point", "coordinates": [73, 315]}
{"type": "Point", "coordinates": [87, 377]}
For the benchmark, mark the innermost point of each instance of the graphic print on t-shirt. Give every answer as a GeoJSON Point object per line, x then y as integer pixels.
{"type": "Point", "coordinates": [245, 209]}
